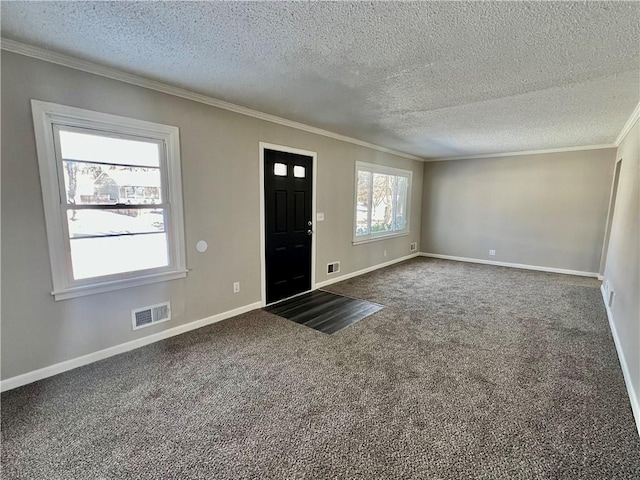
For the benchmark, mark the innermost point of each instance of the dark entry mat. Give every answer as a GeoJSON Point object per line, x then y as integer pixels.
{"type": "Point", "coordinates": [324, 311]}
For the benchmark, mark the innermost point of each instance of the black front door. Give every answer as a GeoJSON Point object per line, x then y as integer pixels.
{"type": "Point", "coordinates": [288, 187]}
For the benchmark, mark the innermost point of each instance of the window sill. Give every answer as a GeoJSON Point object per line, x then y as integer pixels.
{"type": "Point", "coordinates": [380, 237]}
{"type": "Point", "coordinates": [73, 292]}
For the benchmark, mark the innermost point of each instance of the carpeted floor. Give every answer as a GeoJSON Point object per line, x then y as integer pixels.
{"type": "Point", "coordinates": [470, 371]}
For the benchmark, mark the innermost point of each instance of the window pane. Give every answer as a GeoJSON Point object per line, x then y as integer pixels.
{"type": "Point", "coordinates": [362, 203]}
{"type": "Point", "coordinates": [298, 171]}
{"type": "Point", "coordinates": [280, 169]}
{"type": "Point", "coordinates": [401, 202]}
{"type": "Point", "coordinates": [102, 149]}
{"type": "Point", "coordinates": [98, 184]}
{"type": "Point", "coordinates": [98, 256]}
{"type": "Point", "coordinates": [85, 223]}
{"type": "Point", "coordinates": [382, 207]}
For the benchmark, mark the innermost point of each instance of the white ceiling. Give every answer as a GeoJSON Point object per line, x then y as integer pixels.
{"type": "Point", "coordinates": [432, 79]}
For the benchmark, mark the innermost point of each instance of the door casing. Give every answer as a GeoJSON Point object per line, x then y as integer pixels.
{"type": "Point", "coordinates": [263, 273]}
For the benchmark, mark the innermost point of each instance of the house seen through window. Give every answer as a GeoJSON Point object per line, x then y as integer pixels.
{"type": "Point", "coordinates": [382, 201]}
{"type": "Point", "coordinates": [115, 208]}
{"type": "Point", "coordinates": [111, 188]}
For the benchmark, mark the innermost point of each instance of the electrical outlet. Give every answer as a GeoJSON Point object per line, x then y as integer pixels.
{"type": "Point", "coordinates": [492, 252]}
{"type": "Point", "coordinates": [413, 246]}
{"type": "Point", "coordinates": [236, 287]}
{"type": "Point", "coordinates": [385, 253]}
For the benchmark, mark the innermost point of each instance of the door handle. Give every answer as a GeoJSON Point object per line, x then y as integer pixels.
{"type": "Point", "coordinates": [309, 232]}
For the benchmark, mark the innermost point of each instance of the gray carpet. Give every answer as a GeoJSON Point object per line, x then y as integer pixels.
{"type": "Point", "coordinates": [470, 371]}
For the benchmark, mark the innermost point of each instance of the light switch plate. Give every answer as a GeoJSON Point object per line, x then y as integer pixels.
{"type": "Point", "coordinates": [320, 217]}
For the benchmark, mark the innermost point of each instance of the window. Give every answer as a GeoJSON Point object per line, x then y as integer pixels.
{"type": "Point", "coordinates": [382, 202]}
{"type": "Point", "coordinates": [280, 169]}
{"type": "Point", "coordinates": [112, 199]}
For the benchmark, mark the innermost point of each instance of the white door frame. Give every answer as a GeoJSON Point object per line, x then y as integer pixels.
{"type": "Point", "coordinates": [610, 211]}
{"type": "Point", "coordinates": [263, 270]}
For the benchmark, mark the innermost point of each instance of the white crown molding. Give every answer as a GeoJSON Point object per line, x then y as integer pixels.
{"type": "Point", "coordinates": [115, 74]}
{"type": "Point", "coordinates": [635, 115]}
{"type": "Point", "coordinates": [525, 152]}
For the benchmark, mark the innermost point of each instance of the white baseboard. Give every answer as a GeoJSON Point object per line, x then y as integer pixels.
{"type": "Point", "coordinates": [30, 377]}
{"type": "Point", "coordinates": [635, 406]}
{"type": "Point", "coordinates": [364, 270]}
{"type": "Point", "coordinates": [57, 368]}
{"type": "Point", "coordinates": [511, 265]}
{"type": "Point", "coordinates": [600, 277]}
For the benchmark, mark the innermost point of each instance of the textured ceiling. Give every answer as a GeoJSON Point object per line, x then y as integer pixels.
{"type": "Point", "coordinates": [433, 79]}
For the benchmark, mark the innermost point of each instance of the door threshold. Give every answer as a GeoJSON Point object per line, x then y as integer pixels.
{"type": "Point", "coordinates": [289, 298]}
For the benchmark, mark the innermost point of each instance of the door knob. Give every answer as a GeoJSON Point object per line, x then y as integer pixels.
{"type": "Point", "coordinates": [309, 223]}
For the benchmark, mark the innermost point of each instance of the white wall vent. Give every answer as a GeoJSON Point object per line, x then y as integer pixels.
{"type": "Point", "coordinates": [333, 268]}
{"type": "Point", "coordinates": [145, 316]}
{"type": "Point", "coordinates": [413, 246]}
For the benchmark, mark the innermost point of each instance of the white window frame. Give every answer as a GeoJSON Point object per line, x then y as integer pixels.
{"type": "Point", "coordinates": [46, 117]}
{"type": "Point", "coordinates": [382, 169]}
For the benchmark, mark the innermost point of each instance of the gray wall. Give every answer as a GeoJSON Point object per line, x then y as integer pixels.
{"type": "Point", "coordinates": [622, 268]}
{"type": "Point", "coordinates": [546, 210]}
{"type": "Point", "coordinates": [221, 201]}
